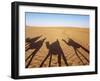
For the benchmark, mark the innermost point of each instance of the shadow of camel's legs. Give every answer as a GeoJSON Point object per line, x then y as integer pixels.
{"type": "Point", "coordinates": [27, 49]}
{"type": "Point", "coordinates": [78, 56]}
{"type": "Point", "coordinates": [44, 59]}
{"type": "Point", "coordinates": [83, 56]}
{"type": "Point", "coordinates": [29, 56]}
{"type": "Point", "coordinates": [50, 60]}
{"type": "Point", "coordinates": [33, 54]}
{"type": "Point", "coordinates": [59, 59]}
{"type": "Point", "coordinates": [64, 58]}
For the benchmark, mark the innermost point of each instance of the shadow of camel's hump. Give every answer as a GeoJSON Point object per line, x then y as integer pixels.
{"type": "Point", "coordinates": [54, 48]}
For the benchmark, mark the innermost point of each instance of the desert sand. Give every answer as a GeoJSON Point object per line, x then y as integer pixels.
{"type": "Point", "coordinates": [70, 45]}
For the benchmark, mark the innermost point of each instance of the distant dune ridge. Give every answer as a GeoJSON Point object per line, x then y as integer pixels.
{"type": "Point", "coordinates": [41, 42]}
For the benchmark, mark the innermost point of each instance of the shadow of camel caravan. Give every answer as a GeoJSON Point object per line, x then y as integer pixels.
{"type": "Point", "coordinates": [34, 45]}
{"type": "Point", "coordinates": [54, 49]}
{"type": "Point", "coordinates": [76, 47]}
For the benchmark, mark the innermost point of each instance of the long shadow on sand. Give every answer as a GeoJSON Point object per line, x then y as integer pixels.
{"type": "Point", "coordinates": [75, 46]}
{"type": "Point", "coordinates": [30, 41]}
{"type": "Point", "coordinates": [55, 49]}
{"type": "Point", "coordinates": [34, 45]}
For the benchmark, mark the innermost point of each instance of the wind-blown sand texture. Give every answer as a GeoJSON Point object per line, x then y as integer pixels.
{"type": "Point", "coordinates": [63, 46]}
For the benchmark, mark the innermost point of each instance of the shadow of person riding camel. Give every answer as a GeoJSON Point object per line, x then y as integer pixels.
{"type": "Point", "coordinates": [34, 45]}
{"type": "Point", "coordinates": [75, 46]}
{"type": "Point", "coordinates": [54, 49]}
{"type": "Point", "coordinates": [30, 41]}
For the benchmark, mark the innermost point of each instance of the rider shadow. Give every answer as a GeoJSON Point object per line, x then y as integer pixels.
{"type": "Point", "coordinates": [75, 46]}
{"type": "Point", "coordinates": [30, 41]}
{"type": "Point", "coordinates": [34, 45]}
{"type": "Point", "coordinates": [55, 49]}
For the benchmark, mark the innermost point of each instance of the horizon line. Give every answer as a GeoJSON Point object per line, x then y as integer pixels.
{"type": "Point", "coordinates": [59, 26]}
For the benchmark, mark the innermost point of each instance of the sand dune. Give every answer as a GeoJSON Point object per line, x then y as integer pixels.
{"type": "Point", "coordinates": [71, 44]}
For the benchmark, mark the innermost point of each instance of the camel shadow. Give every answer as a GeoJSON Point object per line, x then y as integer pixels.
{"type": "Point", "coordinates": [54, 49]}
{"type": "Point", "coordinates": [34, 45]}
{"type": "Point", "coordinates": [75, 46]}
{"type": "Point", "coordinates": [30, 41]}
